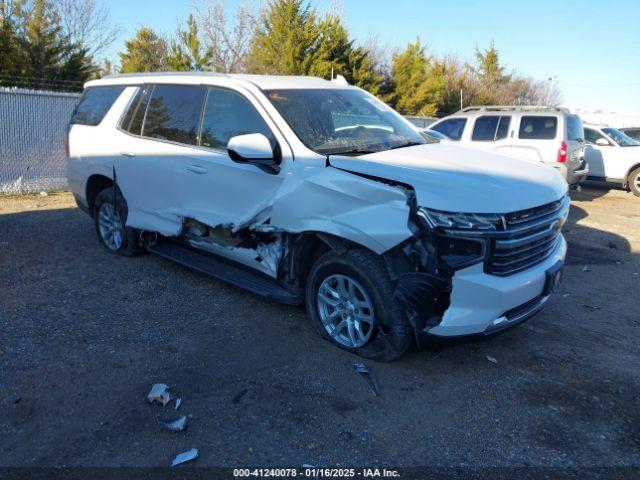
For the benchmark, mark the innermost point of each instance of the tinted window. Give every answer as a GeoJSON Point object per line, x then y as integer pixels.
{"type": "Point", "coordinates": [95, 104]}
{"type": "Point", "coordinates": [490, 128]}
{"type": "Point", "coordinates": [592, 136]}
{"type": "Point", "coordinates": [133, 117]}
{"type": "Point", "coordinates": [173, 113]}
{"type": "Point", "coordinates": [227, 114]}
{"type": "Point", "coordinates": [538, 128]}
{"type": "Point", "coordinates": [575, 131]}
{"type": "Point", "coordinates": [452, 128]}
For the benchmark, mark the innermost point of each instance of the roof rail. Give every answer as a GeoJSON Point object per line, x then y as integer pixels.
{"type": "Point", "coordinates": [501, 108]}
{"type": "Point", "coordinates": [164, 74]}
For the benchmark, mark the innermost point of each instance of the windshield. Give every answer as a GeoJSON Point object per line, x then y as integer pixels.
{"type": "Point", "coordinates": [620, 138]}
{"type": "Point", "coordinates": [349, 121]}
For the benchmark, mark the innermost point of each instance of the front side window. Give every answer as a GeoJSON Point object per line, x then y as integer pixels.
{"type": "Point", "coordinates": [592, 136]}
{"type": "Point", "coordinates": [538, 128]}
{"type": "Point", "coordinates": [343, 121]}
{"type": "Point", "coordinates": [173, 113]}
{"type": "Point", "coordinates": [490, 128]}
{"type": "Point", "coordinates": [575, 130]}
{"type": "Point", "coordinates": [227, 114]}
{"type": "Point", "coordinates": [95, 104]}
{"type": "Point", "coordinates": [452, 128]}
{"type": "Point", "coordinates": [620, 138]}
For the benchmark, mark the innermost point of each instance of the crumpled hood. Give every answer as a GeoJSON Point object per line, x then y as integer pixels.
{"type": "Point", "coordinates": [452, 178]}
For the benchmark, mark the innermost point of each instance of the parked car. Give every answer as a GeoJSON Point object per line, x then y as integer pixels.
{"type": "Point", "coordinates": [613, 157]}
{"type": "Point", "coordinates": [633, 132]}
{"type": "Point", "coordinates": [302, 190]}
{"type": "Point", "coordinates": [549, 135]}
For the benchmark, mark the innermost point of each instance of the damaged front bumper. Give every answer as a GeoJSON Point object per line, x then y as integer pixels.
{"type": "Point", "coordinates": [481, 303]}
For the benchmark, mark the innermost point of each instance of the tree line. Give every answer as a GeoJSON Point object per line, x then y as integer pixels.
{"type": "Point", "coordinates": [61, 40]}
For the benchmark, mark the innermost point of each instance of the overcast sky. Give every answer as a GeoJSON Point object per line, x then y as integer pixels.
{"type": "Point", "coordinates": [591, 47]}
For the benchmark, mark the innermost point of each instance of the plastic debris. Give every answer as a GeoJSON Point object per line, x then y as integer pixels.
{"type": "Point", "coordinates": [491, 359]}
{"type": "Point", "coordinates": [239, 396]}
{"type": "Point", "coordinates": [585, 268]}
{"type": "Point", "coordinates": [178, 402]}
{"type": "Point", "coordinates": [177, 425]}
{"type": "Point", "coordinates": [44, 194]}
{"type": "Point", "coordinates": [593, 308]}
{"type": "Point", "coordinates": [363, 371]}
{"type": "Point", "coordinates": [308, 465]}
{"type": "Point", "coordinates": [185, 457]}
{"type": "Point", "coordinates": [159, 393]}
{"type": "Point", "coordinates": [565, 295]}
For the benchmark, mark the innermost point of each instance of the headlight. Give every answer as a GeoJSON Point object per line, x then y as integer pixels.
{"type": "Point", "coordinates": [462, 221]}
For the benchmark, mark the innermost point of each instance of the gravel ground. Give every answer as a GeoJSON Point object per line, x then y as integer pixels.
{"type": "Point", "coordinates": [85, 335]}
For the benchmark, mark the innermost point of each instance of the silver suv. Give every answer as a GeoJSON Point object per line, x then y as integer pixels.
{"type": "Point", "coordinates": [546, 134]}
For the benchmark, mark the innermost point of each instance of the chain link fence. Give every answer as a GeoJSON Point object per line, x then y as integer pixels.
{"type": "Point", "coordinates": [33, 131]}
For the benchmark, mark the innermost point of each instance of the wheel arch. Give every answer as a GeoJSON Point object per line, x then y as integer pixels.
{"type": "Point", "coordinates": [95, 184]}
{"type": "Point", "coordinates": [627, 177]}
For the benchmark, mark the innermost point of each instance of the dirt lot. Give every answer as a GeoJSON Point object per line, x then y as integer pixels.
{"type": "Point", "coordinates": [85, 334]}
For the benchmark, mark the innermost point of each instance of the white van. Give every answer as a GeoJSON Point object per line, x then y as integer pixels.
{"type": "Point", "coordinates": [549, 135]}
{"type": "Point", "coordinates": [302, 190]}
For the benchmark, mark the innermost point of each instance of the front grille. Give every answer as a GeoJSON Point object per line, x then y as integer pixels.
{"type": "Point", "coordinates": [529, 237]}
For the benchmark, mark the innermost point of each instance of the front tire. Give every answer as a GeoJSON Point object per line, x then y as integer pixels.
{"type": "Point", "coordinates": [634, 182]}
{"type": "Point", "coordinates": [110, 224]}
{"type": "Point", "coordinates": [350, 301]}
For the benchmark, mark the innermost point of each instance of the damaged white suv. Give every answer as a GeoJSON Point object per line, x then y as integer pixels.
{"type": "Point", "coordinates": [303, 190]}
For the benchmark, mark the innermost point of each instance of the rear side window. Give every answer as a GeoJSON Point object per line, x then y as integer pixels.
{"type": "Point", "coordinates": [538, 128]}
{"type": "Point", "coordinates": [452, 128]}
{"type": "Point", "coordinates": [575, 130]}
{"type": "Point", "coordinates": [95, 104]}
{"type": "Point", "coordinates": [490, 128]}
{"type": "Point", "coordinates": [173, 113]}
{"type": "Point", "coordinates": [227, 114]}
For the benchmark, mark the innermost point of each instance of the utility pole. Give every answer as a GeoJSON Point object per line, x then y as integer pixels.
{"type": "Point", "coordinates": [460, 99]}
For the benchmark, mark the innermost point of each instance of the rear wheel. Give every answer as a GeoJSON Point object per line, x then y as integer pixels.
{"type": "Point", "coordinates": [350, 301]}
{"type": "Point", "coordinates": [110, 224]}
{"type": "Point", "coordinates": [634, 182]}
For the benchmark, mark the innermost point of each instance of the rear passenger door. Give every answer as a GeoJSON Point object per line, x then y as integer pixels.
{"type": "Point", "coordinates": [536, 137]}
{"type": "Point", "coordinates": [491, 132]}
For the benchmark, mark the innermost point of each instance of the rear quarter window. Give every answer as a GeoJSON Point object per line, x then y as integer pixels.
{"type": "Point", "coordinates": [452, 128]}
{"type": "Point", "coordinates": [94, 105]}
{"type": "Point", "coordinates": [538, 127]}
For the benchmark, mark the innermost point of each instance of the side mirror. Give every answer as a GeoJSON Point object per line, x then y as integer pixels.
{"type": "Point", "coordinates": [602, 142]}
{"type": "Point", "coordinates": [253, 148]}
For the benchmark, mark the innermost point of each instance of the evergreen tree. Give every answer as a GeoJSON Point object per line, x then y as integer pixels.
{"type": "Point", "coordinates": [11, 61]}
{"type": "Point", "coordinates": [146, 52]}
{"type": "Point", "coordinates": [418, 89]}
{"type": "Point", "coordinates": [285, 39]}
{"type": "Point", "coordinates": [491, 74]}
{"type": "Point", "coordinates": [186, 52]}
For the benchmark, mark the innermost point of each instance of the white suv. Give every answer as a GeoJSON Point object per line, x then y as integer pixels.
{"type": "Point", "coordinates": [613, 157]}
{"type": "Point", "coordinates": [549, 135]}
{"type": "Point", "coordinates": [303, 190]}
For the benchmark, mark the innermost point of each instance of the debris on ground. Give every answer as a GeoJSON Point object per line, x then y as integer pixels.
{"type": "Point", "coordinates": [593, 308]}
{"type": "Point", "coordinates": [239, 396]}
{"type": "Point", "coordinates": [492, 359]}
{"type": "Point", "coordinates": [178, 402]}
{"type": "Point", "coordinates": [159, 393]}
{"type": "Point", "coordinates": [363, 371]}
{"type": "Point", "coordinates": [177, 425]}
{"type": "Point", "coordinates": [585, 268]}
{"type": "Point", "coordinates": [618, 262]}
{"type": "Point", "coordinates": [44, 194]}
{"type": "Point", "coordinates": [185, 457]}
{"type": "Point", "coordinates": [565, 295]}
{"type": "Point", "coordinates": [612, 244]}
{"type": "Point", "coordinates": [308, 465]}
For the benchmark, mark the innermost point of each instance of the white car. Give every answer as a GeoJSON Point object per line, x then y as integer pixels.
{"type": "Point", "coordinates": [613, 157]}
{"type": "Point", "coordinates": [302, 190]}
{"type": "Point", "coordinates": [544, 134]}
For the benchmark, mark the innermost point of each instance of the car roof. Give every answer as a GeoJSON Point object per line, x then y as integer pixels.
{"type": "Point", "coordinates": [264, 82]}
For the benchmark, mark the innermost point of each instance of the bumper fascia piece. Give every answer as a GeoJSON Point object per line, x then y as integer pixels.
{"type": "Point", "coordinates": [485, 304]}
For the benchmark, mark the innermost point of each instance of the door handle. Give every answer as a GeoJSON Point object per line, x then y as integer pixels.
{"type": "Point", "coordinates": [127, 154]}
{"type": "Point", "coordinates": [196, 169]}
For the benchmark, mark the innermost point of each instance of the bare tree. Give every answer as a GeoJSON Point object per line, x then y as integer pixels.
{"type": "Point", "coordinates": [228, 41]}
{"type": "Point", "coordinates": [88, 23]}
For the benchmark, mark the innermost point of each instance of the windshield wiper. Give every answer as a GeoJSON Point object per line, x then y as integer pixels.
{"type": "Point", "coordinates": [354, 151]}
{"type": "Point", "coordinates": [408, 144]}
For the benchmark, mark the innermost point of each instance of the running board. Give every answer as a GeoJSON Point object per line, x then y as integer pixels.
{"type": "Point", "coordinates": [216, 267]}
